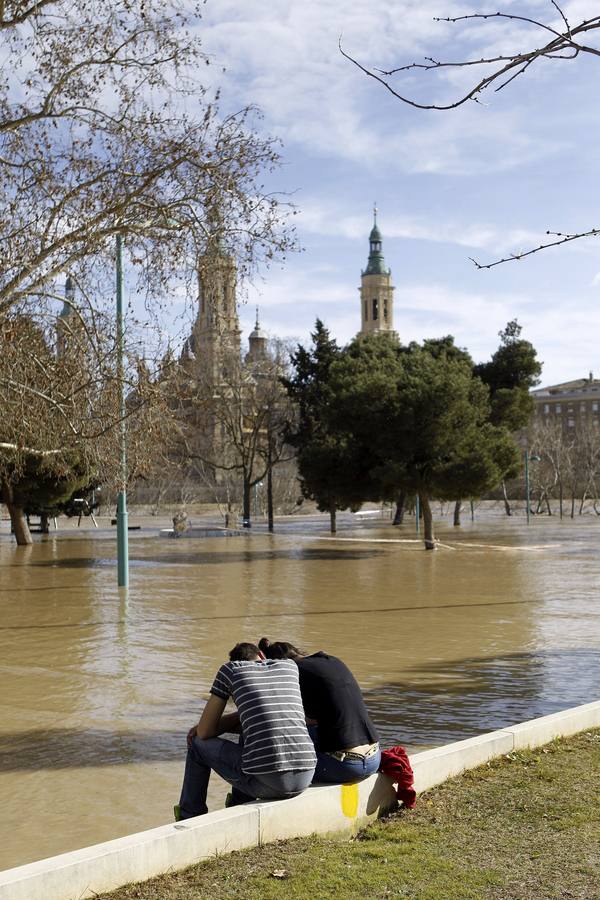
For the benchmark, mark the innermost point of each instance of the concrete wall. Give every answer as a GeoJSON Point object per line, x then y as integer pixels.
{"type": "Point", "coordinates": [337, 809]}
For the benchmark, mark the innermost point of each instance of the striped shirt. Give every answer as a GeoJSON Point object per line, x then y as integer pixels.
{"type": "Point", "coordinates": [267, 695]}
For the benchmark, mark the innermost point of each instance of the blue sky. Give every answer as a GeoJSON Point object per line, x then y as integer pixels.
{"type": "Point", "coordinates": [482, 181]}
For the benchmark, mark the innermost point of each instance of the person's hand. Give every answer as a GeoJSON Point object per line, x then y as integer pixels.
{"type": "Point", "coordinates": [191, 735]}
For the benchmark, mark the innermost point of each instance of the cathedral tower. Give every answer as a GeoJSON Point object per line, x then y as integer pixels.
{"type": "Point", "coordinates": [376, 289]}
{"type": "Point", "coordinates": [216, 332]}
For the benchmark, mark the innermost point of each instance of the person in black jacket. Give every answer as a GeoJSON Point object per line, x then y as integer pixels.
{"type": "Point", "coordinates": [345, 738]}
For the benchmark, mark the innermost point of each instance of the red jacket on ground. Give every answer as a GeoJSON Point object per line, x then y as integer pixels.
{"type": "Point", "coordinates": [395, 763]}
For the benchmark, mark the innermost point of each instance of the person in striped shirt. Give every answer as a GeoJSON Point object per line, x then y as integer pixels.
{"type": "Point", "coordinates": [275, 757]}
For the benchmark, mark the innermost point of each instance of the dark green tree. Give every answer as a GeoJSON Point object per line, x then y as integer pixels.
{"type": "Point", "coordinates": [512, 372]}
{"type": "Point", "coordinates": [332, 465]}
{"type": "Point", "coordinates": [45, 485]}
{"type": "Point", "coordinates": [422, 421]}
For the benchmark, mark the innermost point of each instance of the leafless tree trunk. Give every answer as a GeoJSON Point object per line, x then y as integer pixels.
{"type": "Point", "coordinates": [427, 521]}
{"type": "Point", "coordinates": [507, 508]}
{"type": "Point", "coordinates": [333, 519]}
{"type": "Point", "coordinates": [18, 519]}
{"type": "Point", "coordinates": [457, 509]}
{"type": "Point", "coordinates": [270, 522]}
{"type": "Point", "coordinates": [560, 498]}
{"type": "Point", "coordinates": [399, 513]}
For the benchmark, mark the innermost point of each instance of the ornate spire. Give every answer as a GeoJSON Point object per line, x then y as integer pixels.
{"type": "Point", "coordinates": [376, 262]}
{"type": "Point", "coordinates": [258, 333]}
{"type": "Point", "coordinates": [69, 297]}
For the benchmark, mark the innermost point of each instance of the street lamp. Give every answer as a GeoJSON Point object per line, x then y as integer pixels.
{"type": "Point", "coordinates": [528, 459]}
{"type": "Point", "coordinates": [122, 533]}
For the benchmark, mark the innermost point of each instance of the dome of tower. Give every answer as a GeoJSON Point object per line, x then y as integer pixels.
{"type": "Point", "coordinates": [375, 234]}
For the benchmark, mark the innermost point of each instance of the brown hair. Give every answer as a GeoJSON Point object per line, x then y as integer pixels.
{"type": "Point", "coordinates": [279, 649]}
{"type": "Point", "coordinates": [244, 651]}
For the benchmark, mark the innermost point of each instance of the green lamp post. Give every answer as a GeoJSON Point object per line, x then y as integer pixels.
{"type": "Point", "coordinates": [122, 532]}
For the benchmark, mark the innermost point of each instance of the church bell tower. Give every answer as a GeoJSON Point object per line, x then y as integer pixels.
{"type": "Point", "coordinates": [376, 289]}
{"type": "Point", "coordinates": [216, 333]}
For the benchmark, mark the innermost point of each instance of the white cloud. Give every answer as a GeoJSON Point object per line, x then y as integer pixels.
{"type": "Point", "coordinates": [317, 219]}
{"type": "Point", "coordinates": [284, 57]}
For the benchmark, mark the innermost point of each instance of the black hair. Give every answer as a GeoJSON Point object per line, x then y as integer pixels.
{"type": "Point", "coordinates": [278, 649]}
{"type": "Point", "coordinates": [244, 651]}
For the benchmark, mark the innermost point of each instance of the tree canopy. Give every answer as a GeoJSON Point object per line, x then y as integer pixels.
{"type": "Point", "coordinates": [379, 418]}
{"type": "Point", "coordinates": [510, 375]}
{"type": "Point", "coordinates": [332, 464]}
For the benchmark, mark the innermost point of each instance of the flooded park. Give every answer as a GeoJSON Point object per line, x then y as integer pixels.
{"type": "Point", "coordinates": [499, 625]}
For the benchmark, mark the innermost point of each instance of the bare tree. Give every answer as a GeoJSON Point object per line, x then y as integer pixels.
{"type": "Point", "coordinates": [59, 396]}
{"type": "Point", "coordinates": [555, 39]}
{"type": "Point", "coordinates": [96, 139]}
{"type": "Point", "coordinates": [234, 429]}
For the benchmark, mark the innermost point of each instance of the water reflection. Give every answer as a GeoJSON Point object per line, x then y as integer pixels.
{"type": "Point", "coordinates": [99, 688]}
{"type": "Point", "coordinates": [455, 700]}
{"type": "Point", "coordinates": [306, 554]}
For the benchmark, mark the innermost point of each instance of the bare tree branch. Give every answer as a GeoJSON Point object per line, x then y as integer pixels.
{"type": "Point", "coordinates": [565, 43]}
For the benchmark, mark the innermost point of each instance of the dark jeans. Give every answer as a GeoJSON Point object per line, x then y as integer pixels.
{"type": "Point", "coordinates": [225, 758]}
{"type": "Point", "coordinates": [334, 771]}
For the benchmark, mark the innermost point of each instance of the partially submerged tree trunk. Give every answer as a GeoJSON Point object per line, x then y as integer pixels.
{"type": "Point", "coordinates": [427, 522]}
{"type": "Point", "coordinates": [332, 519]}
{"type": "Point", "coordinates": [18, 519]}
{"type": "Point", "coordinates": [507, 508]}
{"type": "Point", "coordinates": [457, 509]}
{"type": "Point", "coordinates": [246, 505]}
{"type": "Point", "coordinates": [399, 514]}
{"type": "Point", "coordinates": [270, 497]}
{"type": "Point", "coordinates": [45, 523]}
{"type": "Point", "coordinates": [560, 498]}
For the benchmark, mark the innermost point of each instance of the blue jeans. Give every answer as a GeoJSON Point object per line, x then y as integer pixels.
{"type": "Point", "coordinates": [225, 758]}
{"type": "Point", "coordinates": [334, 771]}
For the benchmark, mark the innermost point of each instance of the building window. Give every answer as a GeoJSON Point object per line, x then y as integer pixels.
{"type": "Point", "coordinates": [570, 422]}
{"type": "Point", "coordinates": [582, 409]}
{"type": "Point", "coordinates": [558, 408]}
{"type": "Point", "coordinates": [594, 407]}
{"type": "Point", "coordinates": [375, 309]}
{"type": "Point", "coordinates": [546, 408]}
{"type": "Point", "coordinates": [385, 309]}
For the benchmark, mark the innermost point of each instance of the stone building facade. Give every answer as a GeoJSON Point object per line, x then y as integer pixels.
{"type": "Point", "coordinates": [573, 403]}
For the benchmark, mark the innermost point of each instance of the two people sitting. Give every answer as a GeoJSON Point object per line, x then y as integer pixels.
{"type": "Point", "coordinates": [301, 719]}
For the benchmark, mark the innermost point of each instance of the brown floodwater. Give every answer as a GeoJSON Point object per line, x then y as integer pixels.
{"type": "Point", "coordinates": [99, 688]}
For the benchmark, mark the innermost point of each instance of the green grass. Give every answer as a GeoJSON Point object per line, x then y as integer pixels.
{"type": "Point", "coordinates": [524, 827]}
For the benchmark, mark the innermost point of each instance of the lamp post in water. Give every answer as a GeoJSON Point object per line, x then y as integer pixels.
{"type": "Point", "coordinates": [528, 459]}
{"type": "Point", "coordinates": [122, 533]}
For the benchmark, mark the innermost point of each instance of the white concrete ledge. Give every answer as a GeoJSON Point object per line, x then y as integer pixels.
{"type": "Point", "coordinates": [335, 809]}
{"type": "Point", "coordinates": [431, 767]}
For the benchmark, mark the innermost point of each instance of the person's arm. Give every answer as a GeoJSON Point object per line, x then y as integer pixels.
{"type": "Point", "coordinates": [230, 723]}
{"type": "Point", "coordinates": [227, 722]}
{"type": "Point", "coordinates": [210, 720]}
